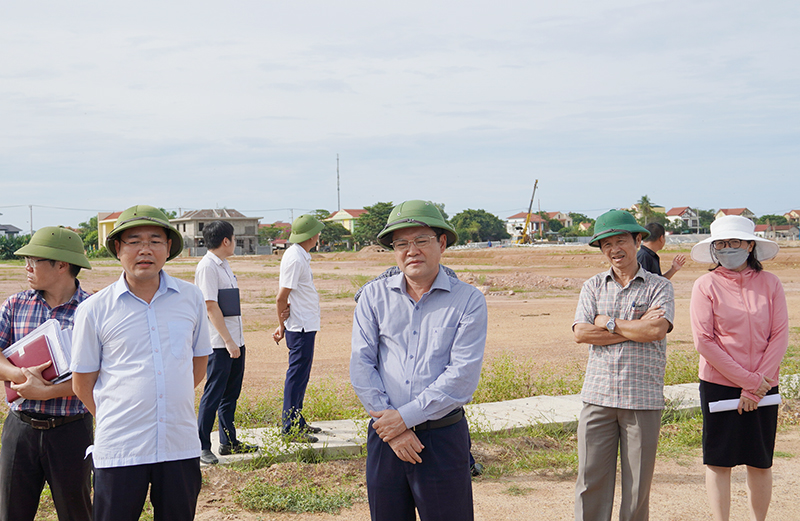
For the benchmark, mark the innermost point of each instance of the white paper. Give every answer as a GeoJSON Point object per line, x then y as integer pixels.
{"type": "Point", "coordinates": [732, 405]}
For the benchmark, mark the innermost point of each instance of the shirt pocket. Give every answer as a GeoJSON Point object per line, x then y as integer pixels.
{"type": "Point", "coordinates": [442, 338]}
{"type": "Point", "coordinates": [180, 339]}
{"type": "Point", "coordinates": [637, 310]}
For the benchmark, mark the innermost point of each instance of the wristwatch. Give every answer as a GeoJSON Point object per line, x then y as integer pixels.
{"type": "Point", "coordinates": [611, 325]}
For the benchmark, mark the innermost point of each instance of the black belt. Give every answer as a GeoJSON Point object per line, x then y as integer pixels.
{"type": "Point", "coordinates": [47, 423]}
{"type": "Point", "coordinates": [452, 418]}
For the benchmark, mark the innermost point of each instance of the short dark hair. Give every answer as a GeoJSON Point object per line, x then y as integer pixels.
{"type": "Point", "coordinates": [215, 232]}
{"type": "Point", "coordinates": [74, 270]}
{"type": "Point", "coordinates": [656, 232]}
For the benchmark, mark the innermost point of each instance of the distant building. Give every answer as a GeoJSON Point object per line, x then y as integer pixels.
{"type": "Point", "coordinates": [561, 217]}
{"type": "Point", "coordinates": [788, 232]}
{"type": "Point", "coordinates": [584, 226]}
{"type": "Point", "coordinates": [516, 223]}
{"type": "Point", "coordinates": [9, 230]}
{"type": "Point", "coordinates": [688, 215]}
{"type": "Point", "coordinates": [793, 216]}
{"type": "Point", "coordinates": [105, 223]}
{"type": "Point", "coordinates": [346, 218]}
{"type": "Point", "coordinates": [744, 212]}
{"type": "Point", "coordinates": [191, 224]}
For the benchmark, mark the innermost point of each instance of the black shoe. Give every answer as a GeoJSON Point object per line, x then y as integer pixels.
{"type": "Point", "coordinates": [311, 429]}
{"type": "Point", "coordinates": [207, 457]}
{"type": "Point", "coordinates": [239, 448]}
{"type": "Point", "coordinates": [300, 437]}
{"type": "Point", "coordinates": [476, 469]}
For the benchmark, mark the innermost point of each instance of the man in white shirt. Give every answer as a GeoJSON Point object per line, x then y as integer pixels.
{"type": "Point", "coordinates": [140, 348]}
{"type": "Point", "coordinates": [297, 289]}
{"type": "Point", "coordinates": [225, 371]}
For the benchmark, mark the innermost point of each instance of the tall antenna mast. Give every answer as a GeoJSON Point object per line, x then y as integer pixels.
{"type": "Point", "coordinates": [338, 193]}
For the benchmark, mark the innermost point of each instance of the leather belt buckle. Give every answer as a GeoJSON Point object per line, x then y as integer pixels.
{"type": "Point", "coordinates": [42, 425]}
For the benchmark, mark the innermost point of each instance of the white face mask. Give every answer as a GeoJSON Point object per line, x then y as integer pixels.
{"type": "Point", "coordinates": [732, 258]}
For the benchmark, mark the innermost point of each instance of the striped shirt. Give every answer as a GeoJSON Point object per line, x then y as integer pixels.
{"type": "Point", "coordinates": [627, 375]}
{"type": "Point", "coordinates": [21, 314]}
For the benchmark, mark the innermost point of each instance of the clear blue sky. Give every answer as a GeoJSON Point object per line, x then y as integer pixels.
{"type": "Point", "coordinates": [245, 104]}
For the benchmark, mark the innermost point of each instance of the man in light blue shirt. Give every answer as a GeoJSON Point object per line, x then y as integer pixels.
{"type": "Point", "coordinates": [140, 349]}
{"type": "Point", "coordinates": [417, 350]}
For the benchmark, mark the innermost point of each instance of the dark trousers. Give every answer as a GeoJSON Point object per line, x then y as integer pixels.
{"type": "Point", "coordinates": [301, 354]}
{"type": "Point", "coordinates": [223, 385]}
{"type": "Point", "coordinates": [440, 487]}
{"type": "Point", "coordinates": [29, 457]}
{"type": "Point", "coordinates": [120, 492]}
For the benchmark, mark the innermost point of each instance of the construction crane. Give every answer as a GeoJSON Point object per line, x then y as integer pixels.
{"type": "Point", "coordinates": [525, 237]}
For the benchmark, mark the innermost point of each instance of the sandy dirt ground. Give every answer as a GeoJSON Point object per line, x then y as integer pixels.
{"type": "Point", "coordinates": [531, 296]}
{"type": "Point", "coordinates": [678, 493]}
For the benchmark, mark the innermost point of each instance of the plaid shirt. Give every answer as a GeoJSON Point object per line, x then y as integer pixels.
{"type": "Point", "coordinates": [21, 314]}
{"type": "Point", "coordinates": [628, 375]}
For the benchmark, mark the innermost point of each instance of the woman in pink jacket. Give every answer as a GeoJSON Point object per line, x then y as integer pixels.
{"type": "Point", "coordinates": [740, 328]}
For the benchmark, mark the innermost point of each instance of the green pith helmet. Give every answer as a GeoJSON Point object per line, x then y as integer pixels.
{"type": "Point", "coordinates": [615, 222]}
{"type": "Point", "coordinates": [56, 243]}
{"type": "Point", "coordinates": [143, 215]}
{"type": "Point", "coordinates": [305, 227]}
{"type": "Point", "coordinates": [416, 213]}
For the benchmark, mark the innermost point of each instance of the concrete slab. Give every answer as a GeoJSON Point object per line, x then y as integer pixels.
{"type": "Point", "coordinates": [348, 437]}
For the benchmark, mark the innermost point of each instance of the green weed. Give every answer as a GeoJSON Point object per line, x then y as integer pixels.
{"type": "Point", "coordinates": [532, 449]}
{"type": "Point", "coordinates": [681, 367]}
{"type": "Point", "coordinates": [259, 495]}
{"type": "Point", "coordinates": [329, 400]}
{"type": "Point", "coordinates": [516, 490]}
{"type": "Point", "coordinates": [506, 378]}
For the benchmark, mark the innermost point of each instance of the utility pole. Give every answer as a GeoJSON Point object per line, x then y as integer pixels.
{"type": "Point", "coordinates": [30, 207]}
{"type": "Point", "coordinates": [338, 193]}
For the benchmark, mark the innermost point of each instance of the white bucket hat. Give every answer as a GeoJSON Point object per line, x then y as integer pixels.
{"type": "Point", "coordinates": [734, 227]}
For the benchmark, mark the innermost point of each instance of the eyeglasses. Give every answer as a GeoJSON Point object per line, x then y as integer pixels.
{"type": "Point", "coordinates": [729, 243]}
{"type": "Point", "coordinates": [153, 245]}
{"type": "Point", "coordinates": [420, 242]}
{"type": "Point", "coordinates": [33, 263]}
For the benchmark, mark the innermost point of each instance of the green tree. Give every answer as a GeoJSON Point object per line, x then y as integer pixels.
{"type": "Point", "coordinates": [478, 226]}
{"type": "Point", "coordinates": [267, 234]}
{"type": "Point", "coordinates": [706, 217]}
{"type": "Point", "coordinates": [88, 232]}
{"type": "Point", "coordinates": [333, 233]}
{"type": "Point", "coordinates": [578, 218]}
{"type": "Point", "coordinates": [170, 215]}
{"type": "Point", "coordinates": [554, 225]}
{"type": "Point", "coordinates": [646, 210]}
{"type": "Point", "coordinates": [370, 224]}
{"type": "Point", "coordinates": [321, 214]}
{"type": "Point", "coordinates": [772, 219]}
{"type": "Point", "coordinates": [8, 245]}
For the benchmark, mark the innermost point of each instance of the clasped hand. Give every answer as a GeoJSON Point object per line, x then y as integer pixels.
{"type": "Point", "coordinates": [35, 386]}
{"type": "Point", "coordinates": [391, 428]}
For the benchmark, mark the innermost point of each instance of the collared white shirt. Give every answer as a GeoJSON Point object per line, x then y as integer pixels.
{"type": "Point", "coordinates": [211, 275]}
{"type": "Point", "coordinates": [296, 275]}
{"type": "Point", "coordinates": [144, 354]}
